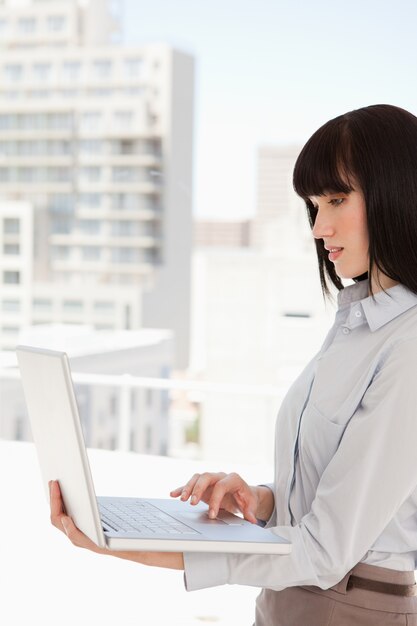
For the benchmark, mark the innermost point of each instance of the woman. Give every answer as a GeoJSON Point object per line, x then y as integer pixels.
{"type": "Point", "coordinates": [345, 488]}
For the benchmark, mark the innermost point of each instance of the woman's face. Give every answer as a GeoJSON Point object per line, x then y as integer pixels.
{"type": "Point", "coordinates": [341, 223]}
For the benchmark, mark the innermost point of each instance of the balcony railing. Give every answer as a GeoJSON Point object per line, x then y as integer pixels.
{"type": "Point", "coordinates": [179, 418]}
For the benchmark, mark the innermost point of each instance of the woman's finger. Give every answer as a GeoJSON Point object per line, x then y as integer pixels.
{"type": "Point", "coordinates": [186, 489]}
{"type": "Point", "coordinates": [57, 506]}
{"type": "Point", "coordinates": [204, 482]}
{"type": "Point", "coordinates": [227, 485]}
{"type": "Point", "coordinates": [240, 492]}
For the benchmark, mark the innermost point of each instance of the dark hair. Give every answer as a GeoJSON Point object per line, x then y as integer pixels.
{"type": "Point", "coordinates": [377, 147]}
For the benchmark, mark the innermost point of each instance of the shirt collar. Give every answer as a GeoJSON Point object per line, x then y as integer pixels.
{"type": "Point", "coordinates": [386, 306]}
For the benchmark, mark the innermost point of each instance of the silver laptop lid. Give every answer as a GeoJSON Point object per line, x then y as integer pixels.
{"type": "Point", "coordinates": [56, 430]}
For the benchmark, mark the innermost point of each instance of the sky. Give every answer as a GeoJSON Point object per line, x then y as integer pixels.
{"type": "Point", "coordinates": [272, 72]}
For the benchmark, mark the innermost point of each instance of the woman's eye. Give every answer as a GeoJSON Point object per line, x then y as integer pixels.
{"type": "Point", "coordinates": [336, 201]}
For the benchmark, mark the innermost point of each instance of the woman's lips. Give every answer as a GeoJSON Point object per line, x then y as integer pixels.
{"type": "Point", "coordinates": [335, 255]}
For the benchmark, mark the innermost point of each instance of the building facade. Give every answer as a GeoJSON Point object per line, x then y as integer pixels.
{"type": "Point", "coordinates": [98, 139]}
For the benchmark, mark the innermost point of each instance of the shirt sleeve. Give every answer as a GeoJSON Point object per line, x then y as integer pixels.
{"type": "Point", "coordinates": [370, 476]}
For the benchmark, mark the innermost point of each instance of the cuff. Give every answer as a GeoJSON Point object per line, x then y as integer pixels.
{"type": "Point", "coordinates": [202, 570]}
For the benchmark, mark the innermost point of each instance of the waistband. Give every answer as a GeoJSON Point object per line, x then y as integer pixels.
{"type": "Point", "coordinates": [381, 597]}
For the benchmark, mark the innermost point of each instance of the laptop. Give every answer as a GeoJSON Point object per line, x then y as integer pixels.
{"type": "Point", "coordinates": [118, 523]}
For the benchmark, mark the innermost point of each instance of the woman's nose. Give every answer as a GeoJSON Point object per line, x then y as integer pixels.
{"type": "Point", "coordinates": [322, 227]}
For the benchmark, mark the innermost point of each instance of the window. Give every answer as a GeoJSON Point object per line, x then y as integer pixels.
{"type": "Point", "coordinates": [151, 255]}
{"type": "Point", "coordinates": [62, 202]}
{"type": "Point", "coordinates": [11, 94]}
{"type": "Point", "coordinates": [60, 253]}
{"type": "Point", "coordinates": [124, 255]}
{"type": "Point", "coordinates": [73, 306]}
{"type": "Point", "coordinates": [13, 72]}
{"type": "Point", "coordinates": [90, 120]}
{"type": "Point", "coordinates": [89, 227]}
{"type": "Point", "coordinates": [131, 92]}
{"type": "Point", "coordinates": [42, 71]}
{"type": "Point", "coordinates": [125, 229]}
{"type": "Point", "coordinates": [126, 147]}
{"type": "Point", "coordinates": [127, 201]}
{"type": "Point", "coordinates": [71, 70]}
{"type": "Point", "coordinates": [90, 146]}
{"type": "Point", "coordinates": [101, 93]}
{"type": "Point", "coordinates": [102, 68]}
{"type": "Point", "coordinates": [11, 277]}
{"type": "Point", "coordinates": [56, 147]}
{"type": "Point", "coordinates": [59, 121]}
{"type": "Point", "coordinates": [125, 174]}
{"type": "Point", "coordinates": [90, 200]}
{"type": "Point", "coordinates": [39, 93]}
{"type": "Point", "coordinates": [59, 174]}
{"type": "Point", "coordinates": [91, 253]}
{"type": "Point", "coordinates": [155, 175]}
{"type": "Point", "coordinates": [90, 174]}
{"type": "Point", "coordinates": [10, 330]}
{"type": "Point", "coordinates": [10, 305]}
{"type": "Point", "coordinates": [23, 148]}
{"type": "Point", "coordinates": [153, 146]}
{"type": "Point", "coordinates": [61, 225]}
{"type": "Point", "coordinates": [56, 23]}
{"type": "Point", "coordinates": [27, 25]}
{"type": "Point", "coordinates": [29, 174]}
{"type": "Point", "coordinates": [11, 226]}
{"type": "Point", "coordinates": [42, 304]}
{"type": "Point", "coordinates": [7, 121]}
{"type": "Point", "coordinates": [104, 307]}
{"type": "Point", "coordinates": [11, 249]}
{"type": "Point", "coordinates": [5, 174]}
{"type": "Point", "coordinates": [133, 67]}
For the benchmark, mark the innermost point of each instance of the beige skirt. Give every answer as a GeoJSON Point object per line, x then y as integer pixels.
{"type": "Point", "coordinates": [340, 605]}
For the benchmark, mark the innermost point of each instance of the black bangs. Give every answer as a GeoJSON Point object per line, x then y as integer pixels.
{"type": "Point", "coordinates": [324, 163]}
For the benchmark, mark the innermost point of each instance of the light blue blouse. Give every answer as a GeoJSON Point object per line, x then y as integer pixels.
{"type": "Point", "coordinates": [346, 455]}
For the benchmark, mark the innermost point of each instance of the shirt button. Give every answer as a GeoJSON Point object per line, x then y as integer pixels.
{"type": "Point", "coordinates": [346, 331]}
{"type": "Point", "coordinates": [358, 314]}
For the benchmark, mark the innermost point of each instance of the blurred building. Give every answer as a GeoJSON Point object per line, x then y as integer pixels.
{"type": "Point", "coordinates": [280, 222]}
{"type": "Point", "coordinates": [25, 302]}
{"type": "Point", "coordinates": [222, 234]}
{"type": "Point", "coordinates": [98, 139]}
{"type": "Point", "coordinates": [258, 314]}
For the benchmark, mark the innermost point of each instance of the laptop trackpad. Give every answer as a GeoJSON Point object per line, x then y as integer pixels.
{"type": "Point", "coordinates": [223, 517]}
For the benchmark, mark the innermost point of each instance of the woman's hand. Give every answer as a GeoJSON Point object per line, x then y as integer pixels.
{"type": "Point", "coordinates": [229, 492]}
{"type": "Point", "coordinates": [59, 518]}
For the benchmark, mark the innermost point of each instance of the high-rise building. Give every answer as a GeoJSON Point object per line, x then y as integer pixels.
{"type": "Point", "coordinates": [280, 221]}
{"type": "Point", "coordinates": [98, 139]}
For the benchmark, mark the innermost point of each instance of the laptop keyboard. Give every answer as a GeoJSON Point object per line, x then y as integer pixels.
{"type": "Point", "coordinates": [141, 517]}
